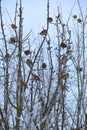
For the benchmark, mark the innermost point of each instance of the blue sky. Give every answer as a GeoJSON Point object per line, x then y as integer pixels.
{"type": "Point", "coordinates": [34, 11]}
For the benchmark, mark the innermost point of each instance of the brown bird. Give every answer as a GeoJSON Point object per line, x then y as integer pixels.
{"type": "Point", "coordinates": [64, 59]}
{"type": "Point", "coordinates": [13, 26]}
{"type": "Point", "coordinates": [43, 65]}
{"type": "Point", "coordinates": [7, 56]}
{"type": "Point", "coordinates": [65, 76]}
{"type": "Point", "coordinates": [50, 20]}
{"type": "Point", "coordinates": [75, 16]}
{"type": "Point", "coordinates": [62, 87]}
{"type": "Point", "coordinates": [63, 45]}
{"type": "Point", "coordinates": [12, 40]}
{"type": "Point", "coordinates": [36, 77]}
{"type": "Point", "coordinates": [27, 52]}
{"type": "Point", "coordinates": [43, 32]}
{"type": "Point", "coordinates": [79, 20]}
{"type": "Point", "coordinates": [29, 62]}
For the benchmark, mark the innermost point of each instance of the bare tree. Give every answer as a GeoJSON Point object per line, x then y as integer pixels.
{"type": "Point", "coordinates": [43, 87]}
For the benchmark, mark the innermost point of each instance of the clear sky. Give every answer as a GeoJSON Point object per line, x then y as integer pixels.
{"type": "Point", "coordinates": [35, 11]}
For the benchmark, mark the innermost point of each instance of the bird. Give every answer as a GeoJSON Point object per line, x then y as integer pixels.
{"type": "Point", "coordinates": [36, 77]}
{"type": "Point", "coordinates": [64, 59]}
{"type": "Point", "coordinates": [63, 45]}
{"type": "Point", "coordinates": [7, 56]}
{"type": "Point", "coordinates": [27, 52]}
{"type": "Point", "coordinates": [79, 20]}
{"type": "Point", "coordinates": [29, 62]}
{"type": "Point", "coordinates": [43, 32]}
{"type": "Point", "coordinates": [65, 76]}
{"type": "Point", "coordinates": [50, 20]}
{"type": "Point", "coordinates": [12, 40]}
{"type": "Point", "coordinates": [43, 65]}
{"type": "Point", "coordinates": [75, 16]}
{"type": "Point", "coordinates": [62, 87]}
{"type": "Point", "coordinates": [13, 26]}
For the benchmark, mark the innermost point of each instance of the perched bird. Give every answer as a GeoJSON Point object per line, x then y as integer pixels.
{"type": "Point", "coordinates": [62, 87]}
{"type": "Point", "coordinates": [50, 20]}
{"type": "Point", "coordinates": [13, 26]}
{"type": "Point", "coordinates": [7, 56]}
{"type": "Point", "coordinates": [12, 40]}
{"type": "Point", "coordinates": [64, 59]}
{"type": "Point", "coordinates": [43, 65]}
{"type": "Point", "coordinates": [75, 16]}
{"type": "Point", "coordinates": [27, 52]}
{"type": "Point", "coordinates": [29, 62]}
{"type": "Point", "coordinates": [65, 76]}
{"type": "Point", "coordinates": [43, 32]}
{"type": "Point", "coordinates": [79, 20]}
{"type": "Point", "coordinates": [63, 45]}
{"type": "Point", "coordinates": [36, 77]}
